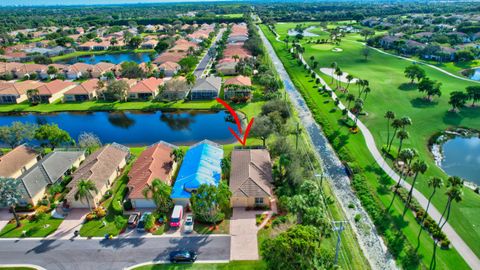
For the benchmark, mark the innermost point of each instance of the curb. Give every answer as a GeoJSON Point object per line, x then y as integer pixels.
{"type": "Point", "coordinates": [168, 262]}
{"type": "Point", "coordinates": [23, 265]}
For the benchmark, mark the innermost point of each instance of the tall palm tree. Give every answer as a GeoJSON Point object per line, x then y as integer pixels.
{"type": "Point", "coordinates": [159, 192]}
{"type": "Point", "coordinates": [85, 191]}
{"type": "Point", "coordinates": [396, 124]}
{"type": "Point", "coordinates": [402, 135]}
{"type": "Point", "coordinates": [407, 155]}
{"type": "Point", "coordinates": [366, 91]}
{"type": "Point", "coordinates": [406, 121]}
{"type": "Point", "coordinates": [435, 183]}
{"type": "Point", "coordinates": [333, 66]}
{"type": "Point", "coordinates": [349, 80]}
{"type": "Point", "coordinates": [177, 154]}
{"type": "Point", "coordinates": [419, 166]}
{"type": "Point", "coordinates": [350, 98]}
{"type": "Point", "coordinates": [389, 115]}
{"type": "Point", "coordinates": [339, 73]}
{"type": "Point", "coordinates": [32, 95]}
{"type": "Point", "coordinates": [454, 193]}
{"type": "Point", "coordinates": [312, 58]}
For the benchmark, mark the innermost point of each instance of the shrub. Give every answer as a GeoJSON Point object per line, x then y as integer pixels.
{"type": "Point", "coordinates": [90, 216]}
{"type": "Point", "coordinates": [107, 194]}
{"type": "Point", "coordinates": [445, 244]}
{"type": "Point", "coordinates": [150, 222]}
{"type": "Point", "coordinates": [100, 212]}
{"type": "Point", "coordinates": [119, 222]}
{"type": "Point", "coordinates": [117, 208]}
{"type": "Point", "coordinates": [351, 206]}
{"type": "Point", "coordinates": [42, 209]}
{"type": "Point", "coordinates": [357, 217]}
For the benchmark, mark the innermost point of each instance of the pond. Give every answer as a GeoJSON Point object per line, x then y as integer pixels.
{"type": "Point", "coordinates": [461, 157]}
{"type": "Point", "coordinates": [114, 58]}
{"type": "Point", "coordinates": [306, 32]}
{"type": "Point", "coordinates": [138, 128]}
{"type": "Point", "coordinates": [475, 74]}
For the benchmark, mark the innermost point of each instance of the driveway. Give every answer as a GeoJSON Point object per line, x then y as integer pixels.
{"type": "Point", "coordinates": [5, 217]}
{"type": "Point", "coordinates": [243, 230]}
{"type": "Point", "coordinates": [70, 224]}
{"type": "Point", "coordinates": [115, 254]}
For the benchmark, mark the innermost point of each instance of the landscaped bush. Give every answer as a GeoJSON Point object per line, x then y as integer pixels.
{"type": "Point", "coordinates": [100, 212]}
{"type": "Point", "coordinates": [90, 216]}
{"type": "Point", "coordinates": [117, 208]}
{"type": "Point", "coordinates": [150, 223]}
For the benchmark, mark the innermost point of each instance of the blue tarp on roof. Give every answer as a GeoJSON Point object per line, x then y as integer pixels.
{"type": "Point", "coordinates": [201, 165]}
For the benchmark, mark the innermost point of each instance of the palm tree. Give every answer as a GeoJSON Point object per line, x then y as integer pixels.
{"type": "Point", "coordinates": [349, 80]}
{"type": "Point", "coordinates": [419, 166]}
{"type": "Point", "coordinates": [236, 57]}
{"type": "Point", "coordinates": [350, 98]}
{"type": "Point", "coordinates": [389, 115]}
{"type": "Point", "coordinates": [177, 154]}
{"type": "Point", "coordinates": [339, 73]}
{"type": "Point", "coordinates": [367, 90]}
{"type": "Point", "coordinates": [407, 155]}
{"type": "Point", "coordinates": [396, 124]}
{"type": "Point", "coordinates": [159, 192]}
{"type": "Point", "coordinates": [433, 182]}
{"type": "Point", "coordinates": [406, 121]}
{"type": "Point", "coordinates": [312, 58]}
{"type": "Point", "coordinates": [85, 191]}
{"type": "Point", "coordinates": [333, 66]}
{"type": "Point", "coordinates": [402, 135]}
{"type": "Point", "coordinates": [454, 193]}
{"type": "Point", "coordinates": [32, 95]}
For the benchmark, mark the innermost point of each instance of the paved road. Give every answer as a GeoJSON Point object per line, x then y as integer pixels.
{"type": "Point", "coordinates": [202, 65]}
{"type": "Point", "coordinates": [108, 254]}
{"type": "Point", "coordinates": [463, 249]}
{"type": "Point", "coordinates": [370, 242]}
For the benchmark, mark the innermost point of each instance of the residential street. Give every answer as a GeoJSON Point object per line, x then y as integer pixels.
{"type": "Point", "coordinates": [108, 254]}
{"type": "Point", "coordinates": [202, 65]}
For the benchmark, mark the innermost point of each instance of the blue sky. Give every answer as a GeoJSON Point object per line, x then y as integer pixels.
{"type": "Point", "coordinates": [86, 2]}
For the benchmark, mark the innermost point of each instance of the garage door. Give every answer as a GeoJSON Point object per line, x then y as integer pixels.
{"type": "Point", "coordinates": [143, 203]}
{"type": "Point", "coordinates": [239, 202]}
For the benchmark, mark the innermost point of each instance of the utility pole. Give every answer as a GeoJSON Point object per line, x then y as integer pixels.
{"type": "Point", "coordinates": [338, 226]}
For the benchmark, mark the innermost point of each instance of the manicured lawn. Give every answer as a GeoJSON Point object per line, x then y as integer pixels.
{"type": "Point", "coordinates": [345, 142]}
{"type": "Point", "coordinates": [222, 228]}
{"type": "Point", "coordinates": [40, 228]}
{"type": "Point", "coordinates": [231, 15]}
{"type": "Point", "coordinates": [16, 268]}
{"type": "Point", "coordinates": [234, 265]}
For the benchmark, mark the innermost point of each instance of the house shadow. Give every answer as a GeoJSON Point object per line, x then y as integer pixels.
{"type": "Point", "coordinates": [422, 103]}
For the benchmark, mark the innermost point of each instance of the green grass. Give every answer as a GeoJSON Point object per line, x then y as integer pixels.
{"type": "Point", "coordinates": [16, 268]}
{"type": "Point", "coordinates": [32, 228]}
{"type": "Point", "coordinates": [345, 142]}
{"type": "Point", "coordinates": [222, 228]}
{"type": "Point", "coordinates": [234, 265]}
{"type": "Point", "coordinates": [83, 53]}
{"type": "Point", "coordinates": [231, 15]}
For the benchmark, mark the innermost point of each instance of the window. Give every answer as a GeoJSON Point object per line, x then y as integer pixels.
{"type": "Point", "coordinates": [258, 200]}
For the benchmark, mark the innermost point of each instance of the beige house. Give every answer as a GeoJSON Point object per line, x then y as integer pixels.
{"type": "Point", "coordinates": [12, 93]}
{"type": "Point", "coordinates": [78, 70]}
{"type": "Point", "coordinates": [169, 68]}
{"type": "Point", "coordinates": [85, 91]}
{"type": "Point", "coordinates": [145, 89]}
{"type": "Point", "coordinates": [251, 178]}
{"type": "Point", "coordinates": [25, 70]}
{"type": "Point", "coordinates": [102, 168]}
{"type": "Point", "coordinates": [54, 90]}
{"type": "Point", "coordinates": [14, 163]}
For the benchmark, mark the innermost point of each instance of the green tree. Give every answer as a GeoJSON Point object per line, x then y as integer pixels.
{"type": "Point", "coordinates": [33, 97]}
{"type": "Point", "coordinates": [116, 90]}
{"type": "Point", "coordinates": [297, 248]}
{"type": "Point", "coordinates": [161, 46]}
{"type": "Point", "coordinates": [85, 191]}
{"type": "Point", "coordinates": [89, 141]}
{"type": "Point", "coordinates": [159, 192]}
{"type": "Point", "coordinates": [52, 135]}
{"type": "Point", "coordinates": [430, 87]}
{"type": "Point", "coordinates": [454, 193]}
{"type": "Point", "coordinates": [473, 93]}
{"type": "Point", "coordinates": [177, 154]}
{"type": "Point", "coordinates": [131, 70]}
{"type": "Point", "coordinates": [366, 33]}
{"type": "Point", "coordinates": [10, 195]}
{"type": "Point", "coordinates": [419, 166]}
{"type": "Point", "coordinates": [396, 124]}
{"type": "Point", "coordinates": [134, 42]}
{"type": "Point", "coordinates": [17, 133]}
{"type": "Point", "coordinates": [457, 100]}
{"type": "Point", "coordinates": [390, 116]}
{"type": "Point", "coordinates": [210, 204]}
{"type": "Point", "coordinates": [191, 79]}
{"type": "Point", "coordinates": [262, 128]}
{"type": "Point", "coordinates": [434, 183]}
{"type": "Point", "coordinates": [188, 63]}
{"type": "Point", "coordinates": [349, 80]}
{"type": "Point", "coordinates": [414, 72]}
{"type": "Point", "coordinates": [401, 135]}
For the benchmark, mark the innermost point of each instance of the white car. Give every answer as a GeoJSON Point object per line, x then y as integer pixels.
{"type": "Point", "coordinates": [188, 226]}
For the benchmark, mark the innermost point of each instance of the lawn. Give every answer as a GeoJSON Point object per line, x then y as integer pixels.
{"type": "Point", "coordinates": [231, 15]}
{"type": "Point", "coordinates": [390, 92]}
{"type": "Point", "coordinates": [222, 228]}
{"type": "Point", "coordinates": [16, 268]}
{"type": "Point", "coordinates": [234, 265]}
{"type": "Point", "coordinates": [354, 146]}
{"type": "Point", "coordinates": [32, 228]}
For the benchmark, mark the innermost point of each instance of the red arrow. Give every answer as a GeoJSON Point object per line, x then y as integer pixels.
{"type": "Point", "coordinates": [239, 124]}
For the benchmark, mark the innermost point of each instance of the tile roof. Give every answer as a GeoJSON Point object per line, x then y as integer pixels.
{"type": "Point", "coordinates": [54, 87]}
{"type": "Point", "coordinates": [170, 57]}
{"type": "Point", "coordinates": [251, 173]}
{"type": "Point", "coordinates": [239, 80]}
{"type": "Point", "coordinates": [170, 66]}
{"type": "Point", "coordinates": [84, 88]}
{"type": "Point", "coordinates": [208, 83]}
{"type": "Point", "coordinates": [20, 88]}
{"type": "Point", "coordinates": [153, 163]}
{"type": "Point", "coordinates": [149, 85]}
{"type": "Point", "coordinates": [16, 159]}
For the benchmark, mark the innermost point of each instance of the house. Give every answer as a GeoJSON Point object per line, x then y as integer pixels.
{"type": "Point", "coordinates": [176, 88]}
{"type": "Point", "coordinates": [183, 45]}
{"type": "Point", "coordinates": [236, 50]}
{"type": "Point", "coordinates": [227, 66]}
{"type": "Point", "coordinates": [17, 92]}
{"type": "Point", "coordinates": [388, 42]}
{"type": "Point", "coordinates": [9, 67]}
{"type": "Point", "coordinates": [102, 168]}
{"type": "Point", "coordinates": [251, 178]}
{"type": "Point", "coordinates": [99, 69]}
{"type": "Point", "coordinates": [14, 163]}
{"type": "Point", "coordinates": [53, 90]}
{"type": "Point", "coordinates": [145, 89]}
{"type": "Point", "coordinates": [206, 88]}
{"type": "Point", "coordinates": [149, 44]}
{"type": "Point", "coordinates": [169, 68]}
{"type": "Point", "coordinates": [155, 162]}
{"type": "Point", "coordinates": [169, 57]}
{"type": "Point", "coordinates": [78, 70]}
{"type": "Point", "coordinates": [48, 171]}
{"type": "Point", "coordinates": [85, 91]}
{"type": "Point", "coordinates": [26, 70]}
{"type": "Point", "coordinates": [239, 86]}
{"type": "Point", "coordinates": [200, 165]}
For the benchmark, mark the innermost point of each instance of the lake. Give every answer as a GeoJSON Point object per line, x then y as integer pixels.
{"type": "Point", "coordinates": [306, 32]}
{"type": "Point", "coordinates": [114, 58]}
{"type": "Point", "coordinates": [461, 157]}
{"type": "Point", "coordinates": [138, 128]}
{"type": "Point", "coordinates": [475, 74]}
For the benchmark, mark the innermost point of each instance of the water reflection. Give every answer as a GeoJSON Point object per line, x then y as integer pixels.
{"type": "Point", "coordinates": [461, 157]}
{"type": "Point", "coordinates": [120, 119]}
{"type": "Point", "coordinates": [178, 121]}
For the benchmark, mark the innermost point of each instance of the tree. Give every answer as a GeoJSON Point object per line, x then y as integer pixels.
{"type": "Point", "coordinates": [457, 100]}
{"type": "Point", "coordinates": [17, 133]}
{"type": "Point", "coordinates": [312, 58]}
{"type": "Point", "coordinates": [134, 42]}
{"type": "Point", "coordinates": [52, 71]}
{"type": "Point", "coordinates": [89, 141]}
{"type": "Point", "coordinates": [10, 195]}
{"type": "Point", "coordinates": [85, 191]}
{"type": "Point", "coordinates": [435, 183]}
{"type": "Point", "coordinates": [419, 166]}
{"type": "Point", "coordinates": [262, 128]}
{"type": "Point", "coordinates": [190, 79]}
{"type": "Point", "coordinates": [33, 97]}
{"type": "Point", "coordinates": [211, 203]}
{"type": "Point", "coordinates": [132, 70]}
{"type": "Point", "coordinates": [349, 80]}
{"type": "Point", "coordinates": [177, 154]}
{"type": "Point", "coordinates": [366, 33]}
{"type": "Point", "coordinates": [396, 124]}
{"type": "Point", "coordinates": [188, 63]}
{"type": "Point", "coordinates": [333, 66]}
{"type": "Point", "coordinates": [297, 248]}
{"type": "Point", "coordinates": [52, 135]}
{"type": "Point", "coordinates": [161, 46]}
{"type": "Point", "coordinates": [160, 193]}
{"type": "Point", "coordinates": [473, 93]}
{"type": "Point", "coordinates": [366, 52]}
{"type": "Point", "coordinates": [117, 90]}
{"type": "Point", "coordinates": [401, 135]}
{"type": "Point", "coordinates": [339, 73]}
{"type": "Point", "coordinates": [454, 193]}
{"type": "Point", "coordinates": [414, 72]}
{"type": "Point", "coordinates": [366, 91]}
{"type": "Point", "coordinates": [390, 116]}
{"type": "Point", "coordinates": [430, 87]}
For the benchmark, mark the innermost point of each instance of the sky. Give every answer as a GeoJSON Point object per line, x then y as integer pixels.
{"type": "Point", "coordinates": [86, 2]}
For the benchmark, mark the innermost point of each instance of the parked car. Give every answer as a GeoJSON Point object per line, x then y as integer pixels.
{"type": "Point", "coordinates": [177, 215]}
{"type": "Point", "coordinates": [141, 223]}
{"type": "Point", "coordinates": [188, 227]}
{"type": "Point", "coordinates": [133, 220]}
{"type": "Point", "coordinates": [183, 256]}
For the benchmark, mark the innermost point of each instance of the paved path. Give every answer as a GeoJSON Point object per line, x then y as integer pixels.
{"type": "Point", "coordinates": [202, 65]}
{"type": "Point", "coordinates": [108, 254]}
{"type": "Point", "coordinates": [370, 242]}
{"type": "Point", "coordinates": [70, 224]}
{"type": "Point", "coordinates": [457, 242]}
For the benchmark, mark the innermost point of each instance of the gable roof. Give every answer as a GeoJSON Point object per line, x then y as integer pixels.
{"type": "Point", "coordinates": [251, 173]}
{"type": "Point", "coordinates": [48, 170]}
{"type": "Point", "coordinates": [16, 159]}
{"type": "Point", "coordinates": [84, 88]}
{"type": "Point", "coordinates": [170, 66]}
{"type": "Point", "coordinates": [54, 87]}
{"type": "Point", "coordinates": [239, 80]}
{"type": "Point", "coordinates": [149, 85]}
{"type": "Point", "coordinates": [210, 83]}
{"type": "Point", "coordinates": [20, 88]}
{"type": "Point", "coordinates": [170, 57]}
{"type": "Point", "coordinates": [153, 163]}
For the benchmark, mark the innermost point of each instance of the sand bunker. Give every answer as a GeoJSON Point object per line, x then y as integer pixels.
{"type": "Point", "coordinates": [337, 50]}
{"type": "Point", "coordinates": [343, 78]}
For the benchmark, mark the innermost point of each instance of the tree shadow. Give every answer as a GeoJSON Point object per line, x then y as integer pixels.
{"type": "Point", "coordinates": [122, 242]}
{"type": "Point", "coordinates": [184, 243]}
{"type": "Point", "coordinates": [408, 86]}
{"type": "Point", "coordinates": [44, 246]}
{"type": "Point", "coordinates": [422, 103]}
{"type": "Point", "coordinates": [452, 118]}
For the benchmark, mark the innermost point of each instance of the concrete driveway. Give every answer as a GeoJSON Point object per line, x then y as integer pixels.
{"type": "Point", "coordinates": [70, 224]}
{"type": "Point", "coordinates": [5, 217]}
{"type": "Point", "coordinates": [243, 230]}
